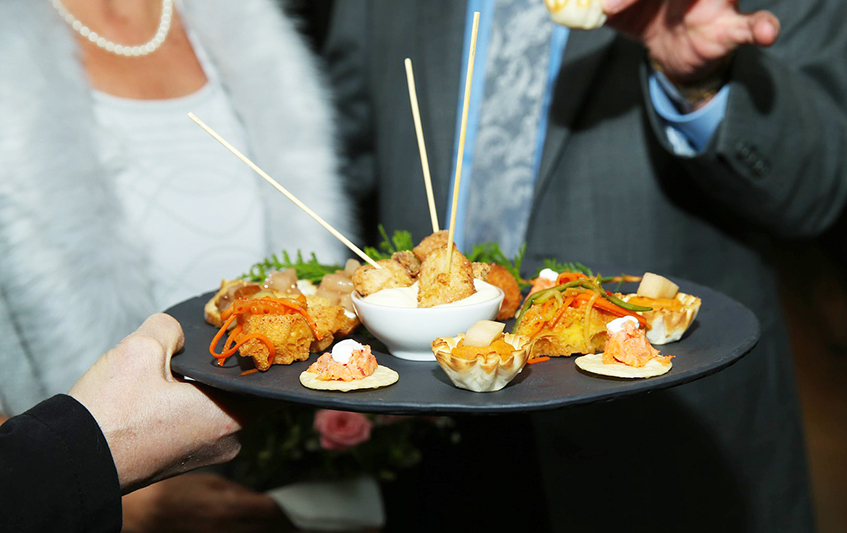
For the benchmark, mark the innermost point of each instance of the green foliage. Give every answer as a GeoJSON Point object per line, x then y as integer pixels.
{"type": "Point", "coordinates": [399, 242]}
{"type": "Point", "coordinates": [311, 269]}
{"type": "Point", "coordinates": [553, 264]}
{"type": "Point", "coordinates": [490, 252]}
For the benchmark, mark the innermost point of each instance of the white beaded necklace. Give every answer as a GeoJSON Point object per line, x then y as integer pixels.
{"type": "Point", "coordinates": [122, 50]}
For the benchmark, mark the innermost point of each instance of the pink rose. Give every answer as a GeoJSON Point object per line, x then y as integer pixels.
{"type": "Point", "coordinates": [340, 430]}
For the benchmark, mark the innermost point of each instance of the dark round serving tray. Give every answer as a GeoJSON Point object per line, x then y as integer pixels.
{"type": "Point", "coordinates": [723, 332]}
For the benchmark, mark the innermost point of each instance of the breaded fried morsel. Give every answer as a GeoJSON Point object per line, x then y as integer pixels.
{"type": "Point", "coordinates": [504, 279]}
{"type": "Point", "coordinates": [437, 286]}
{"type": "Point", "coordinates": [409, 261]}
{"type": "Point", "coordinates": [368, 279]}
{"type": "Point", "coordinates": [290, 335]}
{"type": "Point", "coordinates": [428, 244]}
{"type": "Point", "coordinates": [333, 323]}
{"type": "Point", "coordinates": [481, 270]}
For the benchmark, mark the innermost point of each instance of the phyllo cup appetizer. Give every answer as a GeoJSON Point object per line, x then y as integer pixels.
{"type": "Point", "coordinates": [672, 312]}
{"type": "Point", "coordinates": [483, 359]}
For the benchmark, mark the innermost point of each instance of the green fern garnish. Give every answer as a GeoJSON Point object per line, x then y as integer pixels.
{"type": "Point", "coordinates": [399, 242]}
{"type": "Point", "coordinates": [311, 269]}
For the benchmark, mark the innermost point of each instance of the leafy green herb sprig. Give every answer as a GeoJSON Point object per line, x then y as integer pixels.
{"type": "Point", "coordinates": [490, 252]}
{"type": "Point", "coordinates": [310, 269]}
{"type": "Point", "coordinates": [400, 241]}
{"type": "Point", "coordinates": [553, 264]}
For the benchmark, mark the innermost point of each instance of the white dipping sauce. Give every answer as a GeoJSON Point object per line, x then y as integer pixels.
{"type": "Point", "coordinates": [408, 296]}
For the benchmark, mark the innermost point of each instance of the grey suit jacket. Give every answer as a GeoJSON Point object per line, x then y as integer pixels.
{"type": "Point", "coordinates": [727, 451]}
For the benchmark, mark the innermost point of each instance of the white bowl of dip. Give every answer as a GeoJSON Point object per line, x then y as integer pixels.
{"type": "Point", "coordinates": [392, 316]}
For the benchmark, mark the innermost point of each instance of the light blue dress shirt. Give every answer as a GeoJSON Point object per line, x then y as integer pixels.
{"type": "Point", "coordinates": [687, 133]}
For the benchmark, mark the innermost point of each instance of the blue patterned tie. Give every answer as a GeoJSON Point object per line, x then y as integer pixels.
{"type": "Point", "coordinates": [516, 73]}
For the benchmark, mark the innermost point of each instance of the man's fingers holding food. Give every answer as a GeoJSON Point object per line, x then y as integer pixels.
{"type": "Point", "coordinates": [764, 28]}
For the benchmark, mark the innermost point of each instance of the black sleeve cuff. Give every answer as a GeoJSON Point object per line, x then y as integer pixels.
{"type": "Point", "coordinates": [57, 472]}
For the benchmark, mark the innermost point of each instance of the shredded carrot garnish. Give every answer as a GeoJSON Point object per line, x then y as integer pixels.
{"type": "Point", "coordinates": [221, 357]}
{"type": "Point", "coordinates": [537, 360]}
{"type": "Point", "coordinates": [609, 307]}
{"type": "Point", "coordinates": [564, 307]}
{"type": "Point", "coordinates": [248, 372]}
{"type": "Point", "coordinates": [536, 328]}
{"type": "Point", "coordinates": [567, 277]}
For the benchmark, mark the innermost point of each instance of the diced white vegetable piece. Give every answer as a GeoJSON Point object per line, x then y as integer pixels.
{"type": "Point", "coordinates": [656, 286]}
{"type": "Point", "coordinates": [483, 333]}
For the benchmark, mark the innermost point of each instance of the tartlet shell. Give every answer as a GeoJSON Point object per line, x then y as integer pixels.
{"type": "Point", "coordinates": [482, 374]}
{"type": "Point", "coordinates": [667, 325]}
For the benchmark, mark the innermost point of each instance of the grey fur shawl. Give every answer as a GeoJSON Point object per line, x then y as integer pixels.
{"type": "Point", "coordinates": [73, 282]}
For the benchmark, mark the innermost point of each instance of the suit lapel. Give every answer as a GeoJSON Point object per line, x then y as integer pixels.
{"type": "Point", "coordinates": [439, 41]}
{"type": "Point", "coordinates": [583, 58]}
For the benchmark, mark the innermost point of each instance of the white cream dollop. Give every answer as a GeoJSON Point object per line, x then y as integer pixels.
{"type": "Point", "coordinates": [548, 274]}
{"type": "Point", "coordinates": [617, 325]}
{"type": "Point", "coordinates": [343, 351]}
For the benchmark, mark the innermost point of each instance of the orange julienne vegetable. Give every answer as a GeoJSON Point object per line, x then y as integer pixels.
{"type": "Point", "coordinates": [577, 300]}
{"type": "Point", "coordinates": [537, 360]}
{"type": "Point", "coordinates": [609, 307]}
{"type": "Point", "coordinates": [566, 277]}
{"type": "Point", "coordinates": [555, 320]}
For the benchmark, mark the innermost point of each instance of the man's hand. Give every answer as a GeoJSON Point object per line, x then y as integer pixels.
{"type": "Point", "coordinates": [690, 40]}
{"type": "Point", "coordinates": [156, 427]}
{"type": "Point", "coordinates": [195, 503]}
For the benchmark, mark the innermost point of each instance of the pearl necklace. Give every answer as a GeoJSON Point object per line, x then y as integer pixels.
{"type": "Point", "coordinates": [122, 50]}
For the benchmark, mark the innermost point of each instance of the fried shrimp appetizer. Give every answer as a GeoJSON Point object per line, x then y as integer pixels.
{"type": "Point", "coordinates": [481, 271]}
{"type": "Point", "coordinates": [438, 286]}
{"type": "Point", "coordinates": [333, 321]}
{"type": "Point", "coordinates": [500, 277]}
{"type": "Point", "coordinates": [368, 279]}
{"type": "Point", "coordinates": [431, 243]}
{"type": "Point", "coordinates": [409, 261]}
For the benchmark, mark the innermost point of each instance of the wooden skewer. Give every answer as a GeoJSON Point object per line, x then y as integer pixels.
{"type": "Point", "coordinates": [284, 191]}
{"type": "Point", "coordinates": [416, 115]}
{"type": "Point", "coordinates": [461, 154]}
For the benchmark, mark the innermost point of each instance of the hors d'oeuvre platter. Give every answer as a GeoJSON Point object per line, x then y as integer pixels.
{"type": "Point", "coordinates": [427, 329]}
{"type": "Point", "coordinates": [570, 337]}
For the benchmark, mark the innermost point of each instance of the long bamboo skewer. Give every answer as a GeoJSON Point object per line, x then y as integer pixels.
{"type": "Point", "coordinates": [284, 191]}
{"type": "Point", "coordinates": [461, 153]}
{"type": "Point", "coordinates": [416, 115]}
